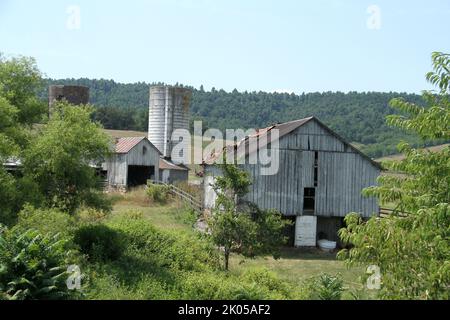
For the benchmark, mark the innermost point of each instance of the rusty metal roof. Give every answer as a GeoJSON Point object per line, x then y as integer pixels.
{"type": "Point", "coordinates": [124, 145]}
{"type": "Point", "coordinates": [283, 129]}
{"type": "Point", "coordinates": [166, 164]}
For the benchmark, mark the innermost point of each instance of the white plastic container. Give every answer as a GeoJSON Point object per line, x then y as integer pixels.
{"type": "Point", "coordinates": [326, 245]}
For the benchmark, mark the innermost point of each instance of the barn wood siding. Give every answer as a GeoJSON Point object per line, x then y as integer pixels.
{"type": "Point", "coordinates": [136, 157]}
{"type": "Point", "coordinates": [117, 170]}
{"type": "Point", "coordinates": [117, 164]}
{"type": "Point", "coordinates": [342, 175]}
{"type": "Point", "coordinates": [172, 176]}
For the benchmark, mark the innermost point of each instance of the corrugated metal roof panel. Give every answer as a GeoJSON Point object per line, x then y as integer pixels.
{"type": "Point", "coordinates": [124, 145]}
{"type": "Point", "coordinates": [166, 164]}
{"type": "Point", "coordinates": [284, 129]}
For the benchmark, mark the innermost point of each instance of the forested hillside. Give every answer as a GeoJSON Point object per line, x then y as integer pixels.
{"type": "Point", "coordinates": [358, 117]}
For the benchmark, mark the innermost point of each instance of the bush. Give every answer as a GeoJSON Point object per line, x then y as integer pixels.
{"type": "Point", "coordinates": [187, 215]}
{"type": "Point", "coordinates": [46, 221]}
{"type": "Point", "coordinates": [106, 286]}
{"type": "Point", "coordinates": [7, 197]}
{"type": "Point", "coordinates": [169, 249]}
{"type": "Point", "coordinates": [325, 287]}
{"type": "Point", "coordinates": [90, 216]}
{"type": "Point", "coordinates": [98, 200]}
{"type": "Point", "coordinates": [134, 214]}
{"type": "Point", "coordinates": [33, 266]}
{"type": "Point", "coordinates": [205, 286]}
{"type": "Point", "coordinates": [268, 280]}
{"type": "Point", "coordinates": [157, 264]}
{"type": "Point", "coordinates": [99, 242]}
{"type": "Point", "coordinates": [220, 286]}
{"type": "Point", "coordinates": [158, 192]}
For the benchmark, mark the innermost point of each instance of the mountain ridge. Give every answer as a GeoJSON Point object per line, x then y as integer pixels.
{"type": "Point", "coordinates": [357, 116]}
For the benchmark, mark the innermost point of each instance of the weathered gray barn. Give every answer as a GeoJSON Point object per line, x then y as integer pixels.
{"type": "Point", "coordinates": [171, 173]}
{"type": "Point", "coordinates": [320, 175]}
{"type": "Point", "coordinates": [134, 161]}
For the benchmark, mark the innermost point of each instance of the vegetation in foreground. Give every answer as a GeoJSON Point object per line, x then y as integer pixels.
{"type": "Point", "coordinates": [412, 247]}
{"type": "Point", "coordinates": [57, 228]}
{"type": "Point", "coordinates": [122, 256]}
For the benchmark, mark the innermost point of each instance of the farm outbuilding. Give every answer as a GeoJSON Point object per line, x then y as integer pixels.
{"type": "Point", "coordinates": [134, 161]}
{"type": "Point", "coordinates": [319, 180]}
{"type": "Point", "coordinates": [171, 173]}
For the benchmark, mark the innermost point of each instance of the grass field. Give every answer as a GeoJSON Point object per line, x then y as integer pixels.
{"type": "Point", "coordinates": [295, 265]}
{"type": "Point", "coordinates": [400, 156]}
{"type": "Point", "coordinates": [125, 133]}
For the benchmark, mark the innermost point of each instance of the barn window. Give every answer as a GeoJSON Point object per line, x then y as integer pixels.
{"type": "Point", "coordinates": [144, 150]}
{"type": "Point", "coordinates": [316, 168]}
{"type": "Point", "coordinates": [309, 196]}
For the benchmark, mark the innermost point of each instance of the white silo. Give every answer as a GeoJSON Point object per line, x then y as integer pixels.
{"type": "Point", "coordinates": [168, 111]}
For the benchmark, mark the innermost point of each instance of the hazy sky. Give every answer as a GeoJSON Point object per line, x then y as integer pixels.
{"type": "Point", "coordinates": [299, 46]}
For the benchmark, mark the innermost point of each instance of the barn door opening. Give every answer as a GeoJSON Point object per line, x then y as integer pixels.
{"type": "Point", "coordinates": [138, 175]}
{"type": "Point", "coordinates": [309, 201]}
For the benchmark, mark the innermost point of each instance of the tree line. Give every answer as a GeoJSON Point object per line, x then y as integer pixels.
{"type": "Point", "coordinates": [359, 117]}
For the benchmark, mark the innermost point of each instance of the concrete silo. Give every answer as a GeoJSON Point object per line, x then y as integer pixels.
{"type": "Point", "coordinates": [73, 94]}
{"type": "Point", "coordinates": [168, 111]}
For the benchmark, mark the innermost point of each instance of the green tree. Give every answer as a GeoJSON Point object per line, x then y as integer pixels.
{"type": "Point", "coordinates": [59, 159]}
{"type": "Point", "coordinates": [358, 117]}
{"type": "Point", "coordinates": [19, 108]}
{"type": "Point", "coordinates": [7, 197]}
{"type": "Point", "coordinates": [20, 82]}
{"type": "Point", "coordinates": [239, 227]}
{"type": "Point", "coordinates": [8, 148]}
{"type": "Point", "coordinates": [412, 247]}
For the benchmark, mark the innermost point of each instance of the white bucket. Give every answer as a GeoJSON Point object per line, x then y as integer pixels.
{"type": "Point", "coordinates": [326, 245]}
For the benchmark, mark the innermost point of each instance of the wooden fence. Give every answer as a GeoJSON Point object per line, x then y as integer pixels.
{"type": "Point", "coordinates": [183, 195]}
{"type": "Point", "coordinates": [198, 206]}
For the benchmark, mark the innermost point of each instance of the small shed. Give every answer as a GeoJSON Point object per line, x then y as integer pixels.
{"type": "Point", "coordinates": [134, 161]}
{"type": "Point", "coordinates": [171, 173]}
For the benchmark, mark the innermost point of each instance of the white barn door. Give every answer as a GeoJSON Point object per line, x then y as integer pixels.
{"type": "Point", "coordinates": [305, 231]}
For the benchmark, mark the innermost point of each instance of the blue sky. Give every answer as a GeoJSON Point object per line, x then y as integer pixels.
{"type": "Point", "coordinates": [298, 46]}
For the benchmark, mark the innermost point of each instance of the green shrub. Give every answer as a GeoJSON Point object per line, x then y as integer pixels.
{"type": "Point", "coordinates": [7, 197]}
{"type": "Point", "coordinates": [99, 242]}
{"type": "Point", "coordinates": [27, 192]}
{"type": "Point", "coordinates": [90, 216]}
{"type": "Point", "coordinates": [106, 286]}
{"type": "Point", "coordinates": [220, 286]}
{"type": "Point", "coordinates": [170, 249]}
{"type": "Point", "coordinates": [134, 214]}
{"type": "Point", "coordinates": [115, 197]}
{"type": "Point", "coordinates": [207, 286]}
{"type": "Point", "coordinates": [158, 192]}
{"type": "Point", "coordinates": [263, 278]}
{"type": "Point", "coordinates": [98, 200]}
{"type": "Point", "coordinates": [51, 221]}
{"type": "Point", "coordinates": [189, 216]}
{"type": "Point", "coordinates": [33, 266]}
{"type": "Point", "coordinates": [158, 264]}
{"type": "Point", "coordinates": [325, 287]}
